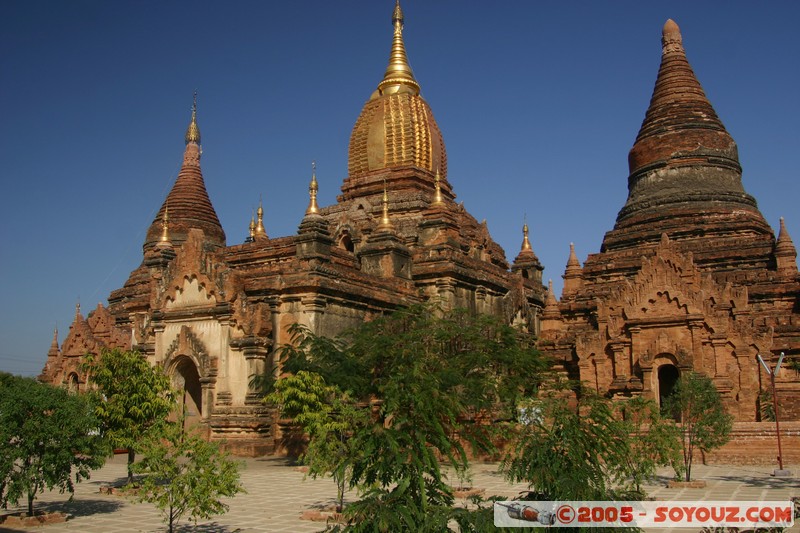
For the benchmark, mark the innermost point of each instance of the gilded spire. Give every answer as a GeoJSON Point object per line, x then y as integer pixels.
{"type": "Point", "coordinates": [313, 209]}
{"type": "Point", "coordinates": [526, 243]}
{"type": "Point", "coordinates": [261, 233]}
{"type": "Point", "coordinates": [386, 223]}
{"type": "Point", "coordinates": [437, 197]}
{"type": "Point", "coordinates": [164, 242]}
{"type": "Point", "coordinates": [193, 131]}
{"type": "Point", "coordinates": [398, 76]}
{"type": "Point", "coordinates": [251, 236]}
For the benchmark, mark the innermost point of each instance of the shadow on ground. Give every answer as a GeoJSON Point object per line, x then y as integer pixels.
{"type": "Point", "coordinates": [767, 482]}
{"type": "Point", "coordinates": [82, 507]}
{"type": "Point", "coordinates": [211, 527]}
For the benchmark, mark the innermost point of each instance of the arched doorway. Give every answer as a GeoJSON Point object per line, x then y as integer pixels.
{"type": "Point", "coordinates": [668, 376]}
{"type": "Point", "coordinates": [187, 381]}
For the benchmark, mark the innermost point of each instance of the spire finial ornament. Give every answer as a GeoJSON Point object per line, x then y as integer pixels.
{"type": "Point", "coordinates": [671, 40]}
{"type": "Point", "coordinates": [251, 234]}
{"type": "Point", "coordinates": [437, 198]}
{"type": "Point", "coordinates": [572, 261]}
{"type": "Point", "coordinates": [78, 309]}
{"type": "Point", "coordinates": [260, 231]}
{"type": "Point", "coordinates": [193, 131]}
{"type": "Point", "coordinates": [163, 241]}
{"type": "Point", "coordinates": [385, 222]}
{"type": "Point", "coordinates": [313, 187]}
{"type": "Point", "coordinates": [526, 243]}
{"type": "Point", "coordinates": [398, 76]}
{"type": "Point", "coordinates": [53, 352]}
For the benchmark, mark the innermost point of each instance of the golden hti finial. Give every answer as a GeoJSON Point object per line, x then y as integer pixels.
{"type": "Point", "coordinates": [193, 131]}
{"type": "Point", "coordinates": [386, 223]}
{"type": "Point", "coordinates": [398, 76]}
{"type": "Point", "coordinates": [437, 197]}
{"type": "Point", "coordinates": [251, 235]}
{"type": "Point", "coordinates": [313, 209]}
{"type": "Point", "coordinates": [163, 241]}
{"type": "Point", "coordinates": [78, 309]}
{"type": "Point", "coordinates": [526, 243]}
{"type": "Point", "coordinates": [260, 231]}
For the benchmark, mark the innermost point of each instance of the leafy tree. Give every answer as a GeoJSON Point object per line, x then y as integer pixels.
{"type": "Point", "coordinates": [434, 375]}
{"type": "Point", "coordinates": [46, 435]}
{"type": "Point", "coordinates": [329, 417]}
{"type": "Point", "coordinates": [185, 475]}
{"type": "Point", "coordinates": [571, 452]}
{"type": "Point", "coordinates": [133, 397]}
{"type": "Point", "coordinates": [704, 423]}
{"type": "Point", "coordinates": [654, 441]}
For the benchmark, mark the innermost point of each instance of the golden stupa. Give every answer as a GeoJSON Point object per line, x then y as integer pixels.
{"type": "Point", "coordinates": [396, 127]}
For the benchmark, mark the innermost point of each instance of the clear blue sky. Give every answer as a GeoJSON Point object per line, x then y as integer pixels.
{"type": "Point", "coordinates": [539, 103]}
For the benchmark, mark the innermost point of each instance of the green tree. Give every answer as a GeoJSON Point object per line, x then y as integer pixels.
{"type": "Point", "coordinates": [133, 397]}
{"type": "Point", "coordinates": [185, 475]}
{"type": "Point", "coordinates": [434, 375]}
{"type": "Point", "coordinates": [49, 438]}
{"type": "Point", "coordinates": [654, 441]}
{"type": "Point", "coordinates": [571, 452]}
{"type": "Point", "coordinates": [704, 423]}
{"type": "Point", "coordinates": [329, 418]}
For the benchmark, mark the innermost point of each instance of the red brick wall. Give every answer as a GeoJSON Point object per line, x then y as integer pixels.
{"type": "Point", "coordinates": [754, 443]}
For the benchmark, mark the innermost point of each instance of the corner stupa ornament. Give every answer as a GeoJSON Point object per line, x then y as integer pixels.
{"type": "Point", "coordinates": [313, 188]}
{"type": "Point", "coordinates": [163, 241]}
{"type": "Point", "coordinates": [386, 222]}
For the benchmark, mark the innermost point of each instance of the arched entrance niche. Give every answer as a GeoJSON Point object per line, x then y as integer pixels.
{"type": "Point", "coordinates": [346, 242]}
{"type": "Point", "coordinates": [187, 380]}
{"type": "Point", "coordinates": [668, 376]}
{"type": "Point", "coordinates": [73, 383]}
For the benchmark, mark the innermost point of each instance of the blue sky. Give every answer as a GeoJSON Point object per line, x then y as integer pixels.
{"type": "Point", "coordinates": [539, 103]}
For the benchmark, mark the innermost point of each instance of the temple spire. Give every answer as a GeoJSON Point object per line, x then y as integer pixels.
{"type": "Point", "coordinates": [189, 204]}
{"type": "Point", "coordinates": [53, 352]}
{"type": "Point", "coordinates": [193, 131]}
{"type": "Point", "coordinates": [526, 243]}
{"type": "Point", "coordinates": [386, 223]}
{"type": "Point", "coordinates": [679, 107]}
{"type": "Point", "coordinates": [261, 233]}
{"type": "Point", "coordinates": [398, 76]}
{"type": "Point", "coordinates": [785, 252]}
{"type": "Point", "coordinates": [313, 187]}
{"type": "Point", "coordinates": [573, 274]}
{"type": "Point", "coordinates": [572, 261]}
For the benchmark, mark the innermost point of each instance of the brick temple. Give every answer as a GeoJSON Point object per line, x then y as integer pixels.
{"type": "Point", "coordinates": [691, 277]}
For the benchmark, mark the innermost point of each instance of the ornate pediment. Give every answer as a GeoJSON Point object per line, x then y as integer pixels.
{"type": "Point", "coordinates": [670, 287]}
{"type": "Point", "coordinates": [190, 293]}
{"type": "Point", "coordinates": [197, 277]}
{"type": "Point", "coordinates": [80, 340]}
